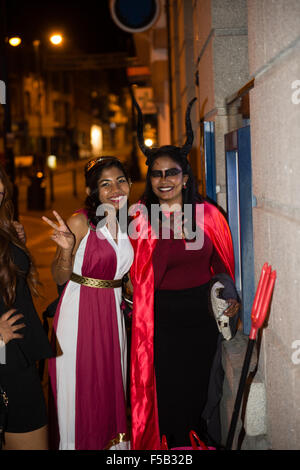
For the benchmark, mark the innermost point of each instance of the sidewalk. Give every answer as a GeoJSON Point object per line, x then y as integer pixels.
{"type": "Point", "coordinates": [38, 232]}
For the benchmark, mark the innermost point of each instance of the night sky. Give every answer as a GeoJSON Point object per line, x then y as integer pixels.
{"type": "Point", "coordinates": [86, 25]}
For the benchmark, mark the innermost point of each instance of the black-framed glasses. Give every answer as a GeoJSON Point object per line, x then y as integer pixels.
{"type": "Point", "coordinates": [2, 193]}
{"type": "Point", "coordinates": [164, 174]}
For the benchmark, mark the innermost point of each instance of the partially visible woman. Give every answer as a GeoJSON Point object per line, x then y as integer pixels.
{"type": "Point", "coordinates": [88, 376]}
{"type": "Point", "coordinates": [26, 342]}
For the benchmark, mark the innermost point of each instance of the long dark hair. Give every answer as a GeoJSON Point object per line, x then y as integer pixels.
{"type": "Point", "coordinates": [93, 171]}
{"type": "Point", "coordinates": [190, 194]}
{"type": "Point", "coordinates": [9, 272]}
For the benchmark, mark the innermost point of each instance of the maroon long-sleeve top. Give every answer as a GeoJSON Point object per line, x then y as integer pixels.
{"type": "Point", "coordinates": [176, 268]}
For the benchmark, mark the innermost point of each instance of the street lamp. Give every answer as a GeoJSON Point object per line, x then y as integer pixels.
{"type": "Point", "coordinates": [15, 41]}
{"type": "Point", "coordinates": [56, 39]}
{"type": "Point", "coordinates": [148, 142]}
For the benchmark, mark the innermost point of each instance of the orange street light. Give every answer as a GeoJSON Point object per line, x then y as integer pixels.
{"type": "Point", "coordinates": [148, 142]}
{"type": "Point", "coordinates": [56, 39]}
{"type": "Point", "coordinates": [15, 41]}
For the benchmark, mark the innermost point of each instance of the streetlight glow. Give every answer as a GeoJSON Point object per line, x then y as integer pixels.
{"type": "Point", "coordinates": [15, 41]}
{"type": "Point", "coordinates": [96, 139]}
{"type": "Point", "coordinates": [56, 39]}
{"type": "Point", "coordinates": [51, 162]}
{"type": "Point", "coordinates": [148, 142]}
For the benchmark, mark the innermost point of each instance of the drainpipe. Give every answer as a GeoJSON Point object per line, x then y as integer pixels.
{"type": "Point", "coordinates": [167, 9]}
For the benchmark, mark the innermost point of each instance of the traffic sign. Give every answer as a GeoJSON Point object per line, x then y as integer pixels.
{"type": "Point", "coordinates": [135, 16]}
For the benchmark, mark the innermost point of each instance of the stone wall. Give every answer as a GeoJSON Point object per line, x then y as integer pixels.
{"type": "Point", "coordinates": [221, 59]}
{"type": "Point", "coordinates": [233, 42]}
{"type": "Point", "coordinates": [274, 61]}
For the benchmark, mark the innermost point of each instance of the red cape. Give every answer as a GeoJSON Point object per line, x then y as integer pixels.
{"type": "Point", "coordinates": [145, 428]}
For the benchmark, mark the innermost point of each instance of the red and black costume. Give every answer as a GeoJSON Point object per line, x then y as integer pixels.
{"type": "Point", "coordinates": [149, 272]}
{"type": "Point", "coordinates": [175, 344]}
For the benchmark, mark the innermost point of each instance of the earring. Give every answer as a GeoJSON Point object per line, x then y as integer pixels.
{"type": "Point", "coordinates": [184, 185]}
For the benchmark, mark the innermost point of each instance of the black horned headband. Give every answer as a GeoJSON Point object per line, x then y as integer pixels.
{"type": "Point", "coordinates": [151, 152]}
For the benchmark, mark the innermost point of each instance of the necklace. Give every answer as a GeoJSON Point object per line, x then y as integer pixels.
{"type": "Point", "coordinates": [171, 216]}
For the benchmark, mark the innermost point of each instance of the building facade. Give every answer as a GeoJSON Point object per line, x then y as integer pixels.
{"type": "Point", "coordinates": [68, 113]}
{"type": "Point", "coordinates": [241, 60]}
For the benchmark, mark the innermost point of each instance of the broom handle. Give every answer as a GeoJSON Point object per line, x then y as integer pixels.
{"type": "Point", "coordinates": [240, 393]}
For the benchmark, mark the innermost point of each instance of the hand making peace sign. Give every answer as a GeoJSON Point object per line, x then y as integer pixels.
{"type": "Point", "coordinates": [61, 235]}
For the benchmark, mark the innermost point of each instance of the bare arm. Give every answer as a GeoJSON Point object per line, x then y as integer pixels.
{"type": "Point", "coordinates": [67, 236]}
{"type": "Point", "coordinates": [62, 266]}
{"type": "Point", "coordinates": [128, 291]}
{"type": "Point", "coordinates": [129, 286]}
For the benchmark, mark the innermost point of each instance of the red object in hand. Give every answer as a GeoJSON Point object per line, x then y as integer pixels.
{"type": "Point", "coordinates": [262, 299]}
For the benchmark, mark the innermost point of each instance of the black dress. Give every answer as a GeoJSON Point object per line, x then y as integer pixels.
{"type": "Point", "coordinates": [19, 376]}
{"type": "Point", "coordinates": [186, 337]}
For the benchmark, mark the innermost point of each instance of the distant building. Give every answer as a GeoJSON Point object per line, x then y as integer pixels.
{"type": "Point", "coordinates": [70, 114]}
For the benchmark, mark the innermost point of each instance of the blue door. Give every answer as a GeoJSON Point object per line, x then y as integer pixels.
{"type": "Point", "coordinates": [239, 207]}
{"type": "Point", "coordinates": [209, 154]}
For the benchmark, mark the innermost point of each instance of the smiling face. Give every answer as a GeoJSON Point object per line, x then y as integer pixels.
{"type": "Point", "coordinates": [113, 187]}
{"type": "Point", "coordinates": [167, 180]}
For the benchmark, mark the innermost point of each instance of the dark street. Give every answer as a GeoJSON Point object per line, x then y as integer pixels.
{"type": "Point", "coordinates": [201, 99]}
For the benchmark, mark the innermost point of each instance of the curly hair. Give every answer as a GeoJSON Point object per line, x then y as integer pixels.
{"type": "Point", "coordinates": [190, 194]}
{"type": "Point", "coordinates": [93, 171]}
{"type": "Point", "coordinates": [9, 272]}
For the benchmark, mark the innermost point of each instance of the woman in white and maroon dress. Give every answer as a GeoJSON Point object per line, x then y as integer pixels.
{"type": "Point", "coordinates": [88, 376]}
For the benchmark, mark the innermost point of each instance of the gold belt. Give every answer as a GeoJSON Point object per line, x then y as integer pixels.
{"type": "Point", "coordinates": [100, 283]}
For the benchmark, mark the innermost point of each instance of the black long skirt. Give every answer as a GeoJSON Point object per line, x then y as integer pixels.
{"type": "Point", "coordinates": [185, 343]}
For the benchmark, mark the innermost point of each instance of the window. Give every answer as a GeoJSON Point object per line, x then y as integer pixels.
{"type": "Point", "coordinates": [56, 81]}
{"type": "Point", "coordinates": [66, 83]}
{"type": "Point", "coordinates": [58, 112]}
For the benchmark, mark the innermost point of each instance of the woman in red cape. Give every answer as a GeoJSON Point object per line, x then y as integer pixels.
{"type": "Point", "coordinates": [175, 339]}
